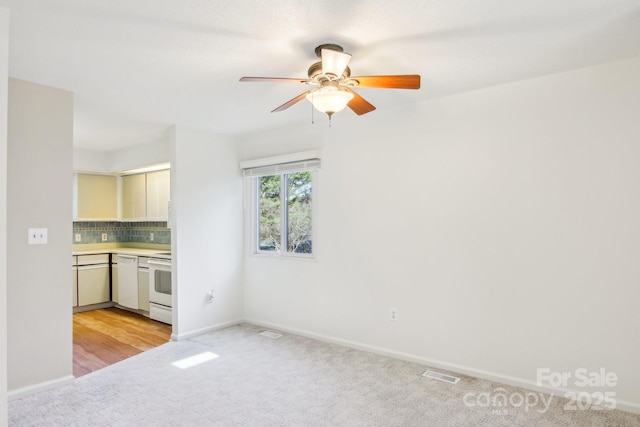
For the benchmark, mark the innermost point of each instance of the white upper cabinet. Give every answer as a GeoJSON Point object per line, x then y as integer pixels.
{"type": "Point", "coordinates": [146, 196]}
{"type": "Point", "coordinates": [134, 199]}
{"type": "Point", "coordinates": [96, 197]}
{"type": "Point", "coordinates": [158, 195]}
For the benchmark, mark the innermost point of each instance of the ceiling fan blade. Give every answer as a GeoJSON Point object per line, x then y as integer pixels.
{"type": "Point", "coordinates": [359, 105]}
{"type": "Point", "coordinates": [273, 79]}
{"type": "Point", "coordinates": [291, 102]}
{"type": "Point", "coordinates": [334, 62]}
{"type": "Point", "coordinates": [406, 81]}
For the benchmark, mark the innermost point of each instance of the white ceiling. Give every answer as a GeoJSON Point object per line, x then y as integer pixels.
{"type": "Point", "coordinates": [138, 66]}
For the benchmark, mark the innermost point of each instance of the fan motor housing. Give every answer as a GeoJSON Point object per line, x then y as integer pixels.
{"type": "Point", "coordinates": [315, 73]}
{"type": "Point", "coordinates": [329, 46]}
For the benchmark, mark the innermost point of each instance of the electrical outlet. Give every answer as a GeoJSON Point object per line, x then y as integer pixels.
{"type": "Point", "coordinates": [211, 295]}
{"type": "Point", "coordinates": [393, 314]}
{"type": "Point", "coordinates": [151, 237]}
{"type": "Point", "coordinates": [78, 237]}
{"type": "Point", "coordinates": [37, 236]}
{"type": "Point", "coordinates": [104, 237]}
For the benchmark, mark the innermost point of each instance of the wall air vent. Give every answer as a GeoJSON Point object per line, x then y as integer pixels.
{"type": "Point", "coordinates": [442, 377]}
{"type": "Point", "coordinates": [270, 334]}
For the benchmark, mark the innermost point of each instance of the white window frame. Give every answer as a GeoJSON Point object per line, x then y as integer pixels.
{"type": "Point", "coordinates": [281, 165]}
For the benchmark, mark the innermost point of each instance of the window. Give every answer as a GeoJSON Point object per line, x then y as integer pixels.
{"type": "Point", "coordinates": [282, 198]}
{"type": "Point", "coordinates": [285, 213]}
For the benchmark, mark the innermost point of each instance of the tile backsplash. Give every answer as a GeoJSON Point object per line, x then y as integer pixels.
{"type": "Point", "coordinates": [121, 232]}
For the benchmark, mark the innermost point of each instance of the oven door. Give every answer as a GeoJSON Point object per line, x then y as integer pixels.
{"type": "Point", "coordinates": [160, 281]}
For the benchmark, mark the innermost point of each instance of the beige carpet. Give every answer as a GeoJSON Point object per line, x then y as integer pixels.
{"type": "Point", "coordinates": [290, 381]}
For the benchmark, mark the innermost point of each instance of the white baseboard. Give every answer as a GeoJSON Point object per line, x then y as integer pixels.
{"type": "Point", "coordinates": [36, 388]}
{"type": "Point", "coordinates": [627, 406]}
{"type": "Point", "coordinates": [98, 306]}
{"type": "Point", "coordinates": [190, 334]}
{"type": "Point", "coordinates": [622, 405]}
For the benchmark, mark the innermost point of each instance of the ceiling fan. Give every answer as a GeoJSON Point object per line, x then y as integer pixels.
{"type": "Point", "coordinates": [333, 84]}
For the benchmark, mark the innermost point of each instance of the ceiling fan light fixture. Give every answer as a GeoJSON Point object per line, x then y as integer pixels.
{"type": "Point", "coordinates": [332, 83]}
{"type": "Point", "coordinates": [329, 99]}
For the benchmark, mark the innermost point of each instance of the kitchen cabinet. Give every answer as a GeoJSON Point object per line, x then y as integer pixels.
{"type": "Point", "coordinates": [143, 283]}
{"type": "Point", "coordinates": [145, 196]}
{"type": "Point", "coordinates": [158, 194]}
{"type": "Point", "coordinates": [96, 197]}
{"type": "Point", "coordinates": [142, 196]}
{"type": "Point", "coordinates": [74, 280]}
{"type": "Point", "coordinates": [134, 196]}
{"type": "Point", "coordinates": [114, 279]}
{"type": "Point", "coordinates": [94, 286]}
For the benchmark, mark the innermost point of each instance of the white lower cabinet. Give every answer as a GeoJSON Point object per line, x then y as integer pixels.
{"type": "Point", "coordinates": [143, 287]}
{"type": "Point", "coordinates": [74, 280]}
{"type": "Point", "coordinates": [74, 285]}
{"type": "Point", "coordinates": [125, 281]}
{"type": "Point", "coordinates": [114, 281]}
{"type": "Point", "coordinates": [93, 284]}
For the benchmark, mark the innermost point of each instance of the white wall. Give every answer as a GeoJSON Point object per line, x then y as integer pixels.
{"type": "Point", "coordinates": [133, 157]}
{"type": "Point", "coordinates": [4, 76]}
{"type": "Point", "coordinates": [145, 154]}
{"type": "Point", "coordinates": [206, 243]}
{"type": "Point", "coordinates": [502, 224]}
{"type": "Point", "coordinates": [91, 160]}
{"type": "Point", "coordinates": [40, 156]}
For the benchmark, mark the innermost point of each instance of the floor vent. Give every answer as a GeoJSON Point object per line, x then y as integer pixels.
{"type": "Point", "coordinates": [442, 377]}
{"type": "Point", "coordinates": [270, 334]}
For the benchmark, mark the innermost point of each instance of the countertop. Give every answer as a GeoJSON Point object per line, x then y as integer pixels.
{"type": "Point", "coordinates": [155, 253]}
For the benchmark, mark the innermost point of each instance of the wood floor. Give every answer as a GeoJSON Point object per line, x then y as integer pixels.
{"type": "Point", "coordinates": [104, 337]}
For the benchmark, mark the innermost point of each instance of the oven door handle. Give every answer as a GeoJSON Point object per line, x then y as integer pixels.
{"type": "Point", "coordinates": [159, 262]}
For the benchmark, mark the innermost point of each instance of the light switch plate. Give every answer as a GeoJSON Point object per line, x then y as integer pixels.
{"type": "Point", "coordinates": [78, 237]}
{"type": "Point", "coordinates": [37, 236]}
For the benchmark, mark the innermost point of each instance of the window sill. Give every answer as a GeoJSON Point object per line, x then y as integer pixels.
{"type": "Point", "coordinates": [268, 255]}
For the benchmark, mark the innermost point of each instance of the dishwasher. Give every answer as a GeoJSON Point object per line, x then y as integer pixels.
{"type": "Point", "coordinates": [128, 281]}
